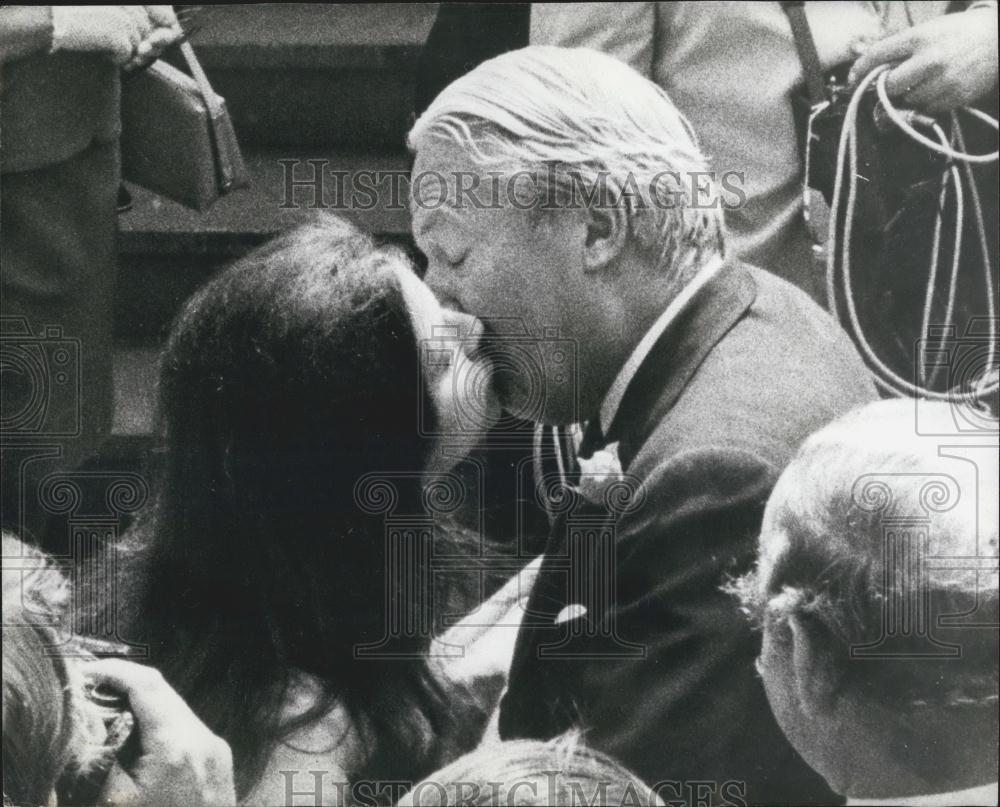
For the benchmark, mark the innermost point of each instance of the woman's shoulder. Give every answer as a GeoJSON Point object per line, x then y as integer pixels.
{"type": "Point", "coordinates": [311, 765]}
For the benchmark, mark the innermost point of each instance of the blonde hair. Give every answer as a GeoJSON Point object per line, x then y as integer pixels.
{"type": "Point", "coordinates": [50, 729]}
{"type": "Point", "coordinates": [560, 771]}
{"type": "Point", "coordinates": [594, 120]}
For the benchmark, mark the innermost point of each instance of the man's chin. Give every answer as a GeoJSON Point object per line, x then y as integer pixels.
{"type": "Point", "coordinates": [516, 402]}
{"type": "Point", "coordinates": [521, 406]}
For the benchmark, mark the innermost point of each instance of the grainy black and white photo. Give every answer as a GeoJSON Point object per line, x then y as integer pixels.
{"type": "Point", "coordinates": [481, 404]}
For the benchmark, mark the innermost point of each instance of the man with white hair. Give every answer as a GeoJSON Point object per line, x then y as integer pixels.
{"type": "Point", "coordinates": [601, 221]}
{"type": "Point", "coordinates": [876, 592]}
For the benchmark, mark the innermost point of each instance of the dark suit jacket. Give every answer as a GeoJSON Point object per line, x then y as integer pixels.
{"type": "Point", "coordinates": [661, 675]}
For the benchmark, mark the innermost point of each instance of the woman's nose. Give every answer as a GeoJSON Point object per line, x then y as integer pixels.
{"type": "Point", "coordinates": [470, 330]}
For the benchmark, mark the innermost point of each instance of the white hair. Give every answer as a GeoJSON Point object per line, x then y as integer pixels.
{"type": "Point", "coordinates": [595, 121]}
{"type": "Point", "coordinates": [870, 511]}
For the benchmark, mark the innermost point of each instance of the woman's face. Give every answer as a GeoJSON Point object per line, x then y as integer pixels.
{"type": "Point", "coordinates": [456, 373]}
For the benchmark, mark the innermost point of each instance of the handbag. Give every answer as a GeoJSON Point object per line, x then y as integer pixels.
{"type": "Point", "coordinates": [177, 137]}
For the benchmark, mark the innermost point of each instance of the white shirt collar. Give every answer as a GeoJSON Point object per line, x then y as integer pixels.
{"type": "Point", "coordinates": [613, 398]}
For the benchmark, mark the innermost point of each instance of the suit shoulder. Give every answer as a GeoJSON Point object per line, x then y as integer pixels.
{"type": "Point", "coordinates": [699, 470]}
{"type": "Point", "coordinates": [783, 371]}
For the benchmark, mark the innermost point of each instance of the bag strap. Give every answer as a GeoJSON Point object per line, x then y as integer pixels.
{"type": "Point", "coordinates": [806, 47]}
{"type": "Point", "coordinates": [216, 116]}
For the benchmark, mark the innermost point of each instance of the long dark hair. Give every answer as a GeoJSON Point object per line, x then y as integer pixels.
{"type": "Point", "coordinates": [285, 379]}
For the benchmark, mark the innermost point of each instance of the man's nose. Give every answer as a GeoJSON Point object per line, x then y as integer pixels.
{"type": "Point", "coordinates": [470, 329]}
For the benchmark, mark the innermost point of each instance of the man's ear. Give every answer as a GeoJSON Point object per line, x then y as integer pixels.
{"type": "Point", "coordinates": [606, 235]}
{"type": "Point", "coordinates": [816, 674]}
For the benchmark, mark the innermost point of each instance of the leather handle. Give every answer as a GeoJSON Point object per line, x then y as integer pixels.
{"type": "Point", "coordinates": [216, 113]}
{"type": "Point", "coordinates": [806, 47]}
{"type": "Point", "coordinates": [198, 74]}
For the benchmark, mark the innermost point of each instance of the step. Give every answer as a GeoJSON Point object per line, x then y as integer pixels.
{"type": "Point", "coordinates": [315, 74]}
{"type": "Point", "coordinates": [167, 250]}
{"type": "Point", "coordinates": [158, 226]}
{"type": "Point", "coordinates": [302, 34]}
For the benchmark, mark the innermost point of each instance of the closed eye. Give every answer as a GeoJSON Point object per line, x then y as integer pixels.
{"type": "Point", "coordinates": [452, 256]}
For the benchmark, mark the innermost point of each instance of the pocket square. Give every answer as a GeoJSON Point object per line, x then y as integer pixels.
{"type": "Point", "coordinates": [571, 612]}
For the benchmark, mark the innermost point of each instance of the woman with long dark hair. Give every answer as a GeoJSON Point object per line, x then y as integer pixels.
{"type": "Point", "coordinates": [258, 571]}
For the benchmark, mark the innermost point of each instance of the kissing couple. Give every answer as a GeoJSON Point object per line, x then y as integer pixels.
{"type": "Point", "coordinates": [322, 360]}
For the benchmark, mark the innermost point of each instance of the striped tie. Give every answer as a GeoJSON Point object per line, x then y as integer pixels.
{"type": "Point", "coordinates": [556, 451]}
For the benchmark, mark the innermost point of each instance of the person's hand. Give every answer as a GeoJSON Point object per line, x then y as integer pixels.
{"type": "Point", "coordinates": [477, 651]}
{"type": "Point", "coordinates": [166, 32]}
{"type": "Point", "coordinates": [941, 64]}
{"type": "Point", "coordinates": [180, 763]}
{"type": "Point", "coordinates": [126, 33]}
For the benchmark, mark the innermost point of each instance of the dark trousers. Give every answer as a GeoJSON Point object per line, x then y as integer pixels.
{"type": "Point", "coordinates": [58, 228]}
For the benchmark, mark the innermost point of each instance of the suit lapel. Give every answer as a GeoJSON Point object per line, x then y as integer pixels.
{"type": "Point", "coordinates": [675, 357]}
{"type": "Point", "coordinates": [677, 354]}
{"type": "Point", "coordinates": [535, 707]}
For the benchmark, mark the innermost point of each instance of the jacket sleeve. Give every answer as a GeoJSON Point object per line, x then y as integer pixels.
{"type": "Point", "coordinates": [623, 30]}
{"type": "Point", "coordinates": [24, 30]}
{"type": "Point", "coordinates": [691, 707]}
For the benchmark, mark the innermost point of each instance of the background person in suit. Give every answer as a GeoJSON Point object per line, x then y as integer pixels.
{"type": "Point", "coordinates": [732, 69]}
{"type": "Point", "coordinates": [706, 372]}
{"type": "Point", "coordinates": [59, 108]}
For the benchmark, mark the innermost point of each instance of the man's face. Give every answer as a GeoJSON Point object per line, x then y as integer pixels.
{"type": "Point", "coordinates": [776, 668]}
{"type": "Point", "coordinates": [521, 274]}
{"type": "Point", "coordinates": [813, 735]}
{"type": "Point", "coordinates": [776, 664]}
